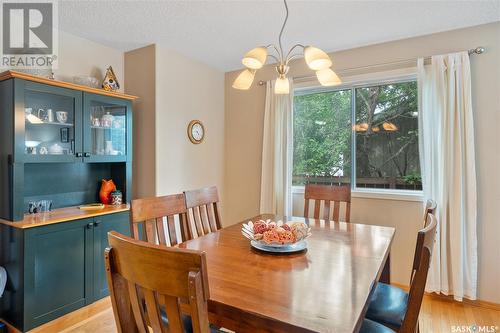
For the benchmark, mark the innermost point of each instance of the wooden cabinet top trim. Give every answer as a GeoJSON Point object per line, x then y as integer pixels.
{"type": "Point", "coordinates": [13, 74]}
{"type": "Point", "coordinates": [62, 215]}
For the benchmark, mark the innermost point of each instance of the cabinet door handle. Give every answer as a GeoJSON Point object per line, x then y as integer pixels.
{"type": "Point", "coordinates": [86, 154]}
{"type": "Point", "coordinates": [96, 223]}
{"type": "Point", "coordinates": [79, 155]}
{"type": "Point", "coordinates": [90, 225]}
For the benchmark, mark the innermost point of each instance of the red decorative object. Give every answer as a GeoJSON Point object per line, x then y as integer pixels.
{"type": "Point", "coordinates": [107, 186]}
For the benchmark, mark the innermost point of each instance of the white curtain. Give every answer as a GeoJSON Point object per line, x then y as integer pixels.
{"type": "Point", "coordinates": [275, 195]}
{"type": "Point", "coordinates": [447, 160]}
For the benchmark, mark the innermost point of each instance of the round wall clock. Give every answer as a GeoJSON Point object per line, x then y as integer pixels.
{"type": "Point", "coordinates": [196, 131]}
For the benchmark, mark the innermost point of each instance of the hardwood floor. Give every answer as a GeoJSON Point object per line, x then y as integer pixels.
{"type": "Point", "coordinates": [437, 315]}
{"type": "Point", "coordinates": [440, 315]}
{"type": "Point", "coordinates": [100, 323]}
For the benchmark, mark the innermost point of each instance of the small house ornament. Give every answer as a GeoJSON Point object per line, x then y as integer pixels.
{"type": "Point", "coordinates": [110, 83]}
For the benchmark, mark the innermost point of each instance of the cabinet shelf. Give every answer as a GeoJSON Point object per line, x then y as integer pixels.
{"type": "Point", "coordinates": [108, 128]}
{"type": "Point", "coordinates": [54, 123]}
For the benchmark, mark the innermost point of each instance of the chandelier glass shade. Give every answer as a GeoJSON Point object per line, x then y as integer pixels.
{"type": "Point", "coordinates": [327, 77]}
{"type": "Point", "coordinates": [244, 79]}
{"type": "Point", "coordinates": [282, 85]}
{"type": "Point", "coordinates": [255, 58]}
{"type": "Point", "coordinates": [315, 58]}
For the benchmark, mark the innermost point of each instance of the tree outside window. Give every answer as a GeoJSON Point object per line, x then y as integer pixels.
{"type": "Point", "coordinates": [385, 130]}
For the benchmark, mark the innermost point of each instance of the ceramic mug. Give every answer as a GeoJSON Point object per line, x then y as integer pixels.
{"type": "Point", "coordinates": [62, 116]}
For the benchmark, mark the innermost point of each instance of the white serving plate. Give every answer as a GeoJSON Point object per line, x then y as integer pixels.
{"type": "Point", "coordinates": [288, 248]}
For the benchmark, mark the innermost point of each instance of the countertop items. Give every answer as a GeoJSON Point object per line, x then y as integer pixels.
{"type": "Point", "coordinates": [62, 215]}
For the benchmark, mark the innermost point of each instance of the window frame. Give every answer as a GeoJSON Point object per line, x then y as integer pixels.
{"type": "Point", "coordinates": [352, 83]}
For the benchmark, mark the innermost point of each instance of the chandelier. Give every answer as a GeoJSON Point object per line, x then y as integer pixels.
{"type": "Point", "coordinates": [316, 59]}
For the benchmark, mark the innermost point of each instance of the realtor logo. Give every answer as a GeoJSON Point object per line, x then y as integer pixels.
{"type": "Point", "coordinates": [28, 34]}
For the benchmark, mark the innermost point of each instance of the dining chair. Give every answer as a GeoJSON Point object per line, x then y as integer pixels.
{"type": "Point", "coordinates": [393, 307]}
{"type": "Point", "coordinates": [430, 208]}
{"type": "Point", "coordinates": [203, 211]}
{"type": "Point", "coordinates": [370, 326]}
{"type": "Point", "coordinates": [164, 277]}
{"type": "Point", "coordinates": [326, 193]}
{"type": "Point", "coordinates": [153, 219]}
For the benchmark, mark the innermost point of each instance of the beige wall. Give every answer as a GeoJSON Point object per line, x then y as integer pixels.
{"type": "Point", "coordinates": [80, 56]}
{"type": "Point", "coordinates": [174, 90]}
{"type": "Point", "coordinates": [140, 67]}
{"type": "Point", "coordinates": [187, 90]}
{"type": "Point", "coordinates": [244, 123]}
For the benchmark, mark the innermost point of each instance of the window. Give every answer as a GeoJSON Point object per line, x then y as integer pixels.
{"type": "Point", "coordinates": [322, 137]}
{"type": "Point", "coordinates": [365, 135]}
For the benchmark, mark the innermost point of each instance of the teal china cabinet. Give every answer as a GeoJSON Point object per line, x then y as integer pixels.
{"type": "Point", "coordinates": [57, 142]}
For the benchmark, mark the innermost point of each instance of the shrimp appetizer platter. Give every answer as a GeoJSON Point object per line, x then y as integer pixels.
{"type": "Point", "coordinates": [277, 236]}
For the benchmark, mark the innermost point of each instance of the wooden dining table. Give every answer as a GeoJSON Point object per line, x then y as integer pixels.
{"type": "Point", "coordinates": [325, 288]}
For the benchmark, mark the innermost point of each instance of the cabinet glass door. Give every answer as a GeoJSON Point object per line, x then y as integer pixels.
{"type": "Point", "coordinates": [51, 123]}
{"type": "Point", "coordinates": [106, 131]}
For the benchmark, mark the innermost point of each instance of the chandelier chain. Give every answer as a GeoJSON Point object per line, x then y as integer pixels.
{"type": "Point", "coordinates": [281, 31]}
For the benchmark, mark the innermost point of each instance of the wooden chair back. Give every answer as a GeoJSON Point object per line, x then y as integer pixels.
{"type": "Point", "coordinates": [203, 211]}
{"type": "Point", "coordinates": [153, 219]}
{"type": "Point", "coordinates": [430, 208]}
{"type": "Point", "coordinates": [164, 276]}
{"type": "Point", "coordinates": [328, 194]}
{"type": "Point", "coordinates": [423, 253]}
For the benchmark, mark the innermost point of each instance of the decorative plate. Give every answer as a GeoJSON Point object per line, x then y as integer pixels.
{"type": "Point", "coordinates": [94, 206]}
{"type": "Point", "coordinates": [270, 234]}
{"type": "Point", "coordinates": [289, 248]}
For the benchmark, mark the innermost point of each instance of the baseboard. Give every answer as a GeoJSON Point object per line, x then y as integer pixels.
{"type": "Point", "coordinates": [68, 320]}
{"type": "Point", "coordinates": [449, 298]}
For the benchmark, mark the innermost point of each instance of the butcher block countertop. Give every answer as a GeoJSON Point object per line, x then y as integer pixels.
{"type": "Point", "coordinates": [62, 215]}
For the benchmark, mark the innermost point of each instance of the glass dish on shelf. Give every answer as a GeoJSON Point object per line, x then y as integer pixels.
{"type": "Point", "coordinates": [85, 80]}
{"type": "Point", "coordinates": [108, 129]}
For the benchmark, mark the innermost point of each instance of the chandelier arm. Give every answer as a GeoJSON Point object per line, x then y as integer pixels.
{"type": "Point", "coordinates": [281, 31]}
{"type": "Point", "coordinates": [292, 57]}
{"type": "Point", "coordinates": [275, 58]}
{"type": "Point", "coordinates": [280, 55]}
{"type": "Point", "coordinates": [288, 58]}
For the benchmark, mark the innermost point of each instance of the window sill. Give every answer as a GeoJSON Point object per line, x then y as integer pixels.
{"type": "Point", "coordinates": [400, 195]}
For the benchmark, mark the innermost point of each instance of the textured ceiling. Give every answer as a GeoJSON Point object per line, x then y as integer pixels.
{"type": "Point", "coordinates": [219, 32]}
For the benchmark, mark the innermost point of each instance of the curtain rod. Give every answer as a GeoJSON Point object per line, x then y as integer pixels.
{"type": "Point", "coordinates": [477, 50]}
